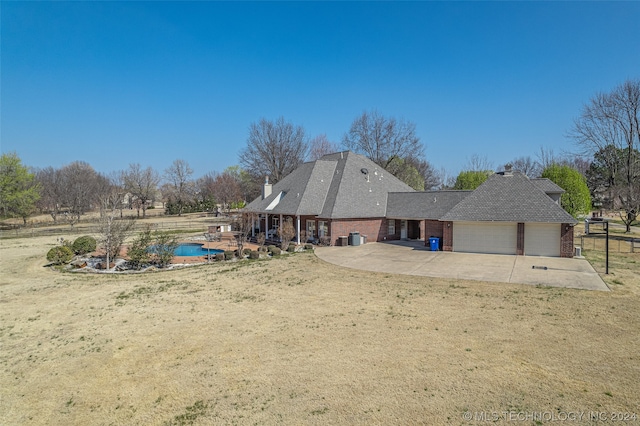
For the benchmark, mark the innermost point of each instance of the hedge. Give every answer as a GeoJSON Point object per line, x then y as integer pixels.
{"type": "Point", "coordinates": [60, 254]}
{"type": "Point", "coordinates": [85, 244]}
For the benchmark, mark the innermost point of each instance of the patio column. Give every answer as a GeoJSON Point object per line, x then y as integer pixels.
{"type": "Point", "coordinates": [298, 229]}
{"type": "Point", "coordinates": [253, 226]}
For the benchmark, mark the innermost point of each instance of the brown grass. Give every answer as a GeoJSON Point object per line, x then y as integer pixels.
{"type": "Point", "coordinates": [298, 341]}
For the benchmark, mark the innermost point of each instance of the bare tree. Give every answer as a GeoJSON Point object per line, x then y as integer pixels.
{"type": "Point", "coordinates": [113, 230]}
{"type": "Point", "coordinates": [478, 163]}
{"type": "Point", "coordinates": [245, 187]}
{"type": "Point", "coordinates": [81, 186]}
{"type": "Point", "coordinates": [51, 191]}
{"type": "Point", "coordinates": [382, 139]}
{"type": "Point", "coordinates": [580, 163]}
{"type": "Point", "coordinates": [547, 158]}
{"type": "Point", "coordinates": [447, 180]}
{"type": "Point", "coordinates": [432, 178]}
{"type": "Point", "coordinates": [166, 193]}
{"type": "Point", "coordinates": [244, 224]}
{"type": "Point", "coordinates": [321, 146]}
{"type": "Point", "coordinates": [227, 190]}
{"type": "Point", "coordinates": [178, 175]}
{"type": "Point", "coordinates": [527, 165]}
{"type": "Point", "coordinates": [286, 232]}
{"type": "Point", "coordinates": [142, 184]}
{"type": "Point", "coordinates": [273, 149]}
{"type": "Point", "coordinates": [613, 119]}
{"type": "Point", "coordinates": [205, 189]}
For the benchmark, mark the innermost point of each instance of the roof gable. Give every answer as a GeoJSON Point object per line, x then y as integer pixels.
{"type": "Point", "coordinates": [508, 198]}
{"type": "Point", "coordinates": [359, 188]}
{"type": "Point", "coordinates": [335, 186]}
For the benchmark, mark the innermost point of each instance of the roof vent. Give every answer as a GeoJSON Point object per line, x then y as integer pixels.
{"type": "Point", "coordinates": [364, 171]}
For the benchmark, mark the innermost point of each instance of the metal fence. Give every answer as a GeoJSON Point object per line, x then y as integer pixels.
{"type": "Point", "coordinates": [616, 244]}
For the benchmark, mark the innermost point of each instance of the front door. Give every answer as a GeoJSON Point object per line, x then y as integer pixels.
{"type": "Point", "coordinates": [403, 230]}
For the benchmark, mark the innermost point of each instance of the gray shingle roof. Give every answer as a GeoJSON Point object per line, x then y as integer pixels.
{"type": "Point", "coordinates": [337, 187]}
{"type": "Point", "coordinates": [423, 205]}
{"type": "Point", "coordinates": [302, 192]}
{"type": "Point", "coordinates": [547, 186]}
{"type": "Point", "coordinates": [508, 198]}
{"type": "Point", "coordinates": [333, 187]}
{"type": "Point", "coordinates": [354, 194]}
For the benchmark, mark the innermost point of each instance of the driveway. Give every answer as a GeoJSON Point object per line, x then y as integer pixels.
{"type": "Point", "coordinates": [413, 258]}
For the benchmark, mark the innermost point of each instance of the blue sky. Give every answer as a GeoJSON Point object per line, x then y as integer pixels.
{"type": "Point", "coordinates": [114, 83]}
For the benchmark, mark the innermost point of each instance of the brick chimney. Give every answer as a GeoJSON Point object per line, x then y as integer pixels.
{"type": "Point", "coordinates": [266, 188]}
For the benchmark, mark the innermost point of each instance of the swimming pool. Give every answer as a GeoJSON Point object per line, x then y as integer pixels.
{"type": "Point", "coordinates": [192, 249]}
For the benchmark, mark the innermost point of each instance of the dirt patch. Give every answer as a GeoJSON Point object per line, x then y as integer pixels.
{"type": "Point", "coordinates": [295, 340]}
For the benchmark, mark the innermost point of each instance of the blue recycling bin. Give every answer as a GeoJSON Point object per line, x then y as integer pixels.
{"type": "Point", "coordinates": [434, 243]}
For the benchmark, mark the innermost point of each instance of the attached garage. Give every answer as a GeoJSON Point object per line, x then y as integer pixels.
{"type": "Point", "coordinates": [485, 237]}
{"type": "Point", "coordinates": [542, 239]}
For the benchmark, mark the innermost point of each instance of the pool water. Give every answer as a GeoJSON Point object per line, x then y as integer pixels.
{"type": "Point", "coordinates": [193, 249]}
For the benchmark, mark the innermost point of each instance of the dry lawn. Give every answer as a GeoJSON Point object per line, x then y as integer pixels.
{"type": "Point", "coordinates": [298, 341]}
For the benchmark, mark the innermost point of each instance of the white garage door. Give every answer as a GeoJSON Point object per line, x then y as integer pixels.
{"type": "Point", "coordinates": [485, 237]}
{"type": "Point", "coordinates": [542, 239]}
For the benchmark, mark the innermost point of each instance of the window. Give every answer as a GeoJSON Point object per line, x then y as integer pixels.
{"type": "Point", "coordinates": [391, 223]}
{"type": "Point", "coordinates": [275, 221]}
{"type": "Point", "coordinates": [311, 228]}
{"type": "Point", "coordinates": [323, 228]}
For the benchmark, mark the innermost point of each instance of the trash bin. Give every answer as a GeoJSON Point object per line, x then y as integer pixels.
{"type": "Point", "coordinates": [434, 243]}
{"type": "Point", "coordinates": [363, 239]}
{"type": "Point", "coordinates": [354, 239]}
{"type": "Point", "coordinates": [342, 241]}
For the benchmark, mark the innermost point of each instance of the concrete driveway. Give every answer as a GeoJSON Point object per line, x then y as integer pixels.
{"type": "Point", "coordinates": [413, 258]}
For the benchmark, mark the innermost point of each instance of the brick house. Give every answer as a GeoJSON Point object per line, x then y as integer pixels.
{"type": "Point", "coordinates": [345, 192]}
{"type": "Point", "coordinates": [332, 197]}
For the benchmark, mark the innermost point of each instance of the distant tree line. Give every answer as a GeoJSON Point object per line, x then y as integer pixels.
{"type": "Point", "coordinates": [68, 192]}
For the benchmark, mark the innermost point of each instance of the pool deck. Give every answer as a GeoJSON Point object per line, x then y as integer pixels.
{"type": "Point", "coordinates": [227, 242]}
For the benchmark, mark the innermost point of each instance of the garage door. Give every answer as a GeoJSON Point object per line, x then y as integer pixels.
{"type": "Point", "coordinates": [542, 239]}
{"type": "Point", "coordinates": [485, 237]}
